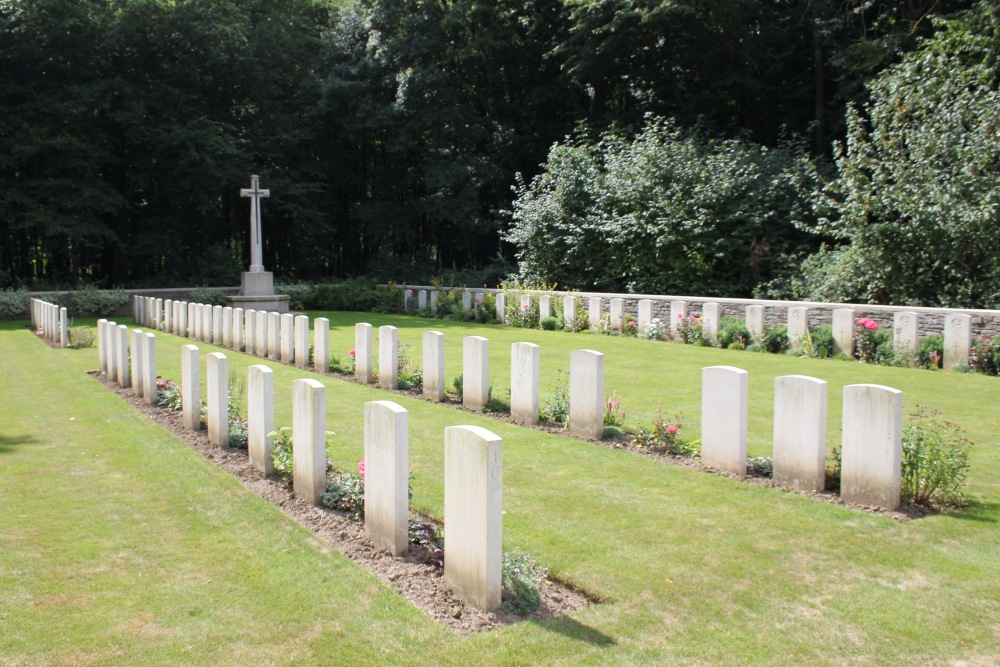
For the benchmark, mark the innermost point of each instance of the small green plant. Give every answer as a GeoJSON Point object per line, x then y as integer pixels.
{"type": "Point", "coordinates": [690, 331]}
{"type": "Point", "coordinates": [549, 323]}
{"type": "Point", "coordinates": [760, 466]}
{"type": "Point", "coordinates": [345, 491]}
{"type": "Point", "coordinates": [803, 346]}
{"type": "Point", "coordinates": [521, 578]}
{"type": "Point", "coordinates": [775, 339]}
{"type": "Point", "coordinates": [458, 384]}
{"type": "Point", "coordinates": [239, 427]}
{"type": "Point", "coordinates": [822, 338]}
{"type": "Point", "coordinates": [409, 374]}
{"type": "Point", "coordinates": [556, 407]}
{"type": "Point", "coordinates": [614, 413]}
{"type": "Point", "coordinates": [168, 395]}
{"type": "Point", "coordinates": [935, 459]}
{"type": "Point", "coordinates": [80, 337]}
{"type": "Point", "coordinates": [834, 463]}
{"type": "Point", "coordinates": [930, 352]}
{"type": "Point", "coordinates": [663, 437]}
{"type": "Point", "coordinates": [281, 443]}
{"type": "Point", "coordinates": [733, 334]}
{"type": "Point", "coordinates": [497, 401]}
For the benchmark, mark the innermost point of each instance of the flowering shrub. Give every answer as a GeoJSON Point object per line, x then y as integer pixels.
{"type": "Point", "coordinates": [520, 579]}
{"type": "Point", "coordinates": [663, 437]}
{"type": "Point", "coordinates": [930, 352]}
{"type": "Point", "coordinates": [655, 330]}
{"type": "Point", "coordinates": [691, 331]}
{"type": "Point", "coordinates": [775, 339]}
{"type": "Point", "coordinates": [935, 459]}
{"type": "Point", "coordinates": [733, 334]}
{"type": "Point", "coordinates": [984, 356]}
{"type": "Point", "coordinates": [409, 374]}
{"type": "Point", "coordinates": [525, 316]}
{"type": "Point", "coordinates": [630, 328]}
{"type": "Point", "coordinates": [614, 413]}
{"type": "Point", "coordinates": [168, 395]}
{"type": "Point", "coordinates": [865, 340]}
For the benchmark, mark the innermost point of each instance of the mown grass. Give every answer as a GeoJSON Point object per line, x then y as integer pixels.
{"type": "Point", "coordinates": [141, 552]}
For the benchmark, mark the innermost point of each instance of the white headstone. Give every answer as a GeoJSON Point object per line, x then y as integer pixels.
{"type": "Point", "coordinates": [363, 370]}
{"type": "Point", "coordinates": [260, 417]}
{"type": "Point", "coordinates": [798, 324]}
{"type": "Point", "coordinates": [261, 330]}
{"type": "Point", "coordinates": [904, 325]}
{"type": "Point", "coordinates": [148, 368]}
{"type": "Point", "coordinates": [544, 306]}
{"type": "Point", "coordinates": [387, 476]}
{"type": "Point", "coordinates": [843, 331]}
{"type": "Point", "coordinates": [121, 351]}
{"type": "Point", "coordinates": [724, 404]}
{"type": "Point", "coordinates": [191, 387]}
{"type": "Point", "coordinates": [135, 343]}
{"type": "Point", "coordinates": [321, 344]}
{"type": "Point", "coordinates": [102, 361]}
{"type": "Point", "coordinates": [302, 341]}
{"type": "Point", "coordinates": [800, 432]}
{"type": "Point", "coordinates": [710, 321]}
{"type": "Point", "coordinates": [208, 324]}
{"type": "Point", "coordinates": [63, 328]}
{"type": "Point", "coordinates": [158, 314]}
{"type": "Point", "coordinates": [475, 372]}
{"type": "Point", "coordinates": [755, 322]}
{"type": "Point", "coordinates": [524, 373]}
{"type": "Point", "coordinates": [957, 340]}
{"type": "Point", "coordinates": [193, 317]}
{"type": "Point", "coordinates": [645, 316]}
{"type": "Point", "coordinates": [617, 314]}
{"type": "Point", "coordinates": [525, 303]}
{"type": "Point", "coordinates": [250, 331]}
{"type": "Point", "coordinates": [595, 311]}
{"type": "Point", "coordinates": [586, 393]}
{"type": "Point", "coordinates": [227, 327]}
{"type": "Point", "coordinates": [467, 300]}
{"type": "Point", "coordinates": [473, 512]}
{"type": "Point", "coordinates": [422, 299]}
{"type": "Point", "coordinates": [872, 445]}
{"type": "Point", "coordinates": [388, 357]}
{"type": "Point", "coordinates": [287, 337]}
{"type": "Point", "coordinates": [569, 312]}
{"type": "Point", "coordinates": [678, 312]}
{"type": "Point", "coordinates": [111, 352]}
{"type": "Point", "coordinates": [217, 371]}
{"type": "Point", "coordinates": [433, 354]}
{"type": "Point", "coordinates": [168, 315]}
{"type": "Point", "coordinates": [309, 440]}
{"type": "Point", "coordinates": [434, 302]}
{"type": "Point", "coordinates": [238, 329]}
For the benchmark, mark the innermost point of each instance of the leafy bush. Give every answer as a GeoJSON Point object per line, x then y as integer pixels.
{"type": "Point", "coordinates": [761, 466]}
{"type": "Point", "coordinates": [345, 491]}
{"type": "Point", "coordinates": [281, 442]}
{"type": "Point", "coordinates": [15, 304]}
{"type": "Point", "coordinates": [458, 384]}
{"type": "Point", "coordinates": [985, 355]}
{"type": "Point", "coordinates": [211, 296]}
{"type": "Point", "coordinates": [550, 323]}
{"type": "Point", "coordinates": [691, 332]}
{"type": "Point", "coordinates": [935, 459]}
{"type": "Point", "coordinates": [520, 579]}
{"type": "Point", "coordinates": [733, 334]}
{"type": "Point", "coordinates": [80, 337]}
{"type": "Point", "coordinates": [357, 294]}
{"type": "Point", "coordinates": [822, 340]}
{"type": "Point", "coordinates": [663, 437]}
{"type": "Point", "coordinates": [409, 375]}
{"type": "Point", "coordinates": [655, 330]}
{"type": "Point", "coordinates": [168, 395]}
{"type": "Point", "coordinates": [930, 352]}
{"type": "Point", "coordinates": [98, 302]}
{"type": "Point", "coordinates": [775, 339]}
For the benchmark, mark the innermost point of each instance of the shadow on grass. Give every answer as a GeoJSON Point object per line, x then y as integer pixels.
{"type": "Point", "coordinates": [977, 510]}
{"type": "Point", "coordinates": [7, 443]}
{"type": "Point", "coordinates": [573, 629]}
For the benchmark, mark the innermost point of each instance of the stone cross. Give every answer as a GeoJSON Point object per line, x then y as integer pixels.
{"type": "Point", "coordinates": [255, 193]}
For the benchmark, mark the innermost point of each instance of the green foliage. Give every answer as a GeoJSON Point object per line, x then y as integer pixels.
{"type": "Point", "coordinates": [614, 413]}
{"type": "Point", "coordinates": [15, 304]}
{"type": "Point", "coordinates": [663, 436]}
{"type": "Point", "coordinates": [356, 294]}
{"type": "Point", "coordinates": [550, 323]}
{"type": "Point", "coordinates": [497, 401]}
{"type": "Point", "coordinates": [935, 459]}
{"type": "Point", "coordinates": [691, 331]}
{"type": "Point", "coordinates": [822, 340]}
{"type": "Point", "coordinates": [985, 355]}
{"type": "Point", "coordinates": [409, 375]}
{"type": "Point", "coordinates": [458, 383]}
{"type": "Point", "coordinates": [656, 330]}
{"type": "Point", "coordinates": [215, 297]}
{"type": "Point", "coordinates": [95, 302]}
{"type": "Point", "coordinates": [733, 334]}
{"type": "Point", "coordinates": [760, 466]}
{"type": "Point", "coordinates": [520, 579]}
{"type": "Point", "coordinates": [930, 352]}
{"type": "Point", "coordinates": [917, 178]}
{"type": "Point", "coordinates": [775, 339]}
{"type": "Point", "coordinates": [345, 491]}
{"type": "Point", "coordinates": [657, 213]}
{"type": "Point", "coordinates": [556, 406]}
{"type": "Point", "coordinates": [80, 337]}
{"type": "Point", "coordinates": [168, 395]}
{"type": "Point", "coordinates": [281, 443]}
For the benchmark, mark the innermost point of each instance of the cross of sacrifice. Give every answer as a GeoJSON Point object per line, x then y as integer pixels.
{"type": "Point", "coordinates": [255, 193]}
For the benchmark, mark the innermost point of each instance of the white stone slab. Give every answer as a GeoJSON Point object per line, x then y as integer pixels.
{"type": "Point", "coordinates": [63, 328]}
{"type": "Point", "coordinates": [871, 448]}
{"type": "Point", "coordinates": [168, 315]}
{"type": "Point", "coordinates": [544, 306]}
{"type": "Point", "coordinates": [135, 344]}
{"type": "Point", "coordinates": [843, 331]}
{"type": "Point", "coordinates": [122, 375]}
{"type": "Point", "coordinates": [260, 417]}
{"type": "Point", "coordinates": [617, 317]}
{"type": "Point", "coordinates": [569, 312]}
{"type": "Point", "coordinates": [102, 360]}
{"type": "Point", "coordinates": [148, 368]}
{"type": "Point", "coordinates": [467, 300]}
{"type": "Point", "coordinates": [957, 340]}
{"type": "Point", "coordinates": [422, 299]}
{"type": "Point", "coordinates": [434, 302]}
{"type": "Point", "coordinates": [586, 393]}
{"type": "Point", "coordinates": [594, 312]}
{"type": "Point", "coordinates": [433, 357]}
{"type": "Point", "coordinates": [192, 321]}
{"type": "Point", "coordinates": [710, 321]}
{"type": "Point", "coordinates": [261, 331]}
{"type": "Point", "coordinates": [525, 303]}
{"type": "Point", "coordinates": [321, 345]}
{"type": "Point", "coordinates": [363, 369]}
{"type": "Point", "coordinates": [475, 372]}
{"type": "Point", "coordinates": [388, 357]}
{"type": "Point", "coordinates": [755, 322]}
{"type": "Point", "coordinates": [301, 352]}
{"type": "Point", "coordinates": [190, 387]}
{"type": "Point", "coordinates": [217, 325]}
{"type": "Point", "coordinates": [724, 404]}
{"type": "Point", "coordinates": [110, 351]}
{"type": "Point", "coordinates": [798, 324]}
{"type": "Point", "coordinates": [905, 336]}
{"type": "Point", "coordinates": [217, 376]}
{"type": "Point", "coordinates": [309, 440]}
{"type": "Point", "coordinates": [207, 323]}
{"type": "Point", "coordinates": [473, 513]}
{"type": "Point", "coordinates": [678, 313]}
{"type": "Point", "coordinates": [645, 316]}
{"type": "Point", "coordinates": [238, 319]}
{"type": "Point", "coordinates": [501, 307]}
{"type": "Point", "coordinates": [277, 339]}
{"type": "Point", "coordinates": [387, 476]}
{"type": "Point", "coordinates": [287, 338]}
{"type": "Point", "coordinates": [800, 432]}
{"type": "Point", "coordinates": [524, 373]}
{"type": "Point", "coordinates": [227, 327]}
{"type": "Point", "coordinates": [250, 331]}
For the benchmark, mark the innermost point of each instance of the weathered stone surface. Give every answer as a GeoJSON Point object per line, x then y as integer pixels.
{"type": "Point", "coordinates": [149, 368]}
{"type": "Point", "coordinates": [569, 312]}
{"type": "Point", "coordinates": [798, 324]}
{"type": "Point", "coordinates": [217, 372]}
{"type": "Point", "coordinates": [135, 343]}
{"type": "Point", "coordinates": [645, 307]}
{"type": "Point", "coordinates": [905, 331]}
{"type": "Point", "coordinates": [227, 327]}
{"type": "Point", "coordinates": [191, 387]}
{"type": "Point", "coordinates": [501, 303]}
{"type": "Point", "coordinates": [287, 336]}
{"type": "Point", "coordinates": [617, 316]}
{"type": "Point", "coordinates": [544, 306]}
{"type": "Point", "coordinates": [957, 340]}
{"type": "Point", "coordinates": [217, 325]}
{"type": "Point", "coordinates": [594, 311]}
{"type": "Point", "coordinates": [843, 332]}
{"type": "Point", "coordinates": [387, 473]}
{"type": "Point", "coordinates": [473, 512]}
{"type": "Point", "coordinates": [301, 341]}
{"type": "Point", "coordinates": [250, 331]}
{"type": "Point", "coordinates": [363, 369]}
{"type": "Point", "coordinates": [321, 344]}
{"type": "Point", "coordinates": [309, 440]}
{"type": "Point", "coordinates": [755, 322]}
{"type": "Point", "coordinates": [678, 312]}
{"type": "Point", "coordinates": [277, 340]}
{"type": "Point", "coordinates": [872, 445]}
{"type": "Point", "coordinates": [524, 374]}
{"type": "Point", "coordinates": [475, 372]}
{"type": "Point", "coordinates": [433, 357]}
{"type": "Point", "coordinates": [238, 319]}
{"type": "Point", "coordinates": [122, 375]}
{"type": "Point", "coordinates": [261, 331]}
{"type": "Point", "coordinates": [260, 417]}
{"type": "Point", "coordinates": [724, 404]}
{"type": "Point", "coordinates": [710, 321]}
{"type": "Point", "coordinates": [586, 393]}
{"type": "Point", "coordinates": [800, 432]}
{"type": "Point", "coordinates": [388, 357]}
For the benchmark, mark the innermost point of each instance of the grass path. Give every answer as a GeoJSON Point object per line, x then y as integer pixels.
{"type": "Point", "coordinates": [119, 545]}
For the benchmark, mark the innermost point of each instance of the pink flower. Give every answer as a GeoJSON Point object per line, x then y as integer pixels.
{"type": "Point", "coordinates": [672, 429]}
{"type": "Point", "coordinates": [479, 304]}
{"type": "Point", "coordinates": [361, 468]}
{"type": "Point", "coordinates": [353, 352]}
{"type": "Point", "coordinates": [409, 292]}
{"type": "Point", "coordinates": [868, 323]}
{"type": "Point", "coordinates": [631, 323]}
{"type": "Point", "coordinates": [680, 316]}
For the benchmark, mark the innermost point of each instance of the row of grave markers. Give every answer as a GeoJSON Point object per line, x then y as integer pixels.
{"type": "Point", "coordinates": [473, 467]}
{"type": "Point", "coordinates": [281, 337]}
{"type": "Point", "coordinates": [50, 321]}
{"type": "Point", "coordinates": [957, 327]}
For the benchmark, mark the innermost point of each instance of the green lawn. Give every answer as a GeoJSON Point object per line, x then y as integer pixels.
{"type": "Point", "coordinates": [119, 545]}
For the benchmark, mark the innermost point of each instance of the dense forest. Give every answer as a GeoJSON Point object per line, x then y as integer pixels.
{"type": "Point", "coordinates": [697, 146]}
